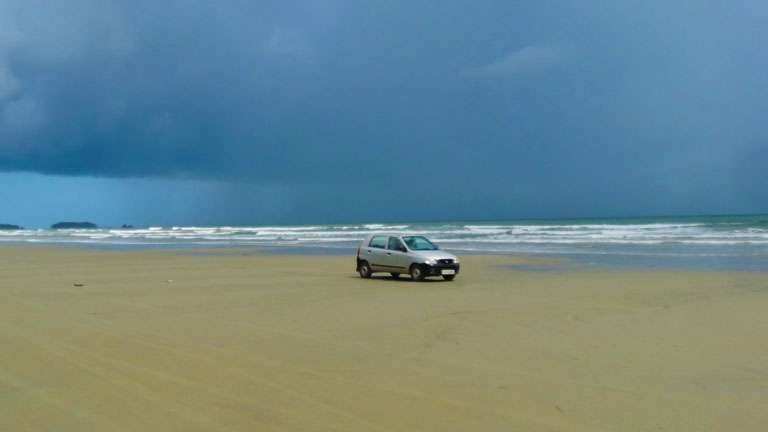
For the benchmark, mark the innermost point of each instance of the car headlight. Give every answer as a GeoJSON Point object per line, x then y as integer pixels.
{"type": "Point", "coordinates": [430, 262]}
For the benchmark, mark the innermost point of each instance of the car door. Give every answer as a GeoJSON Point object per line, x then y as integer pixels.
{"type": "Point", "coordinates": [396, 259]}
{"type": "Point", "coordinates": [376, 253]}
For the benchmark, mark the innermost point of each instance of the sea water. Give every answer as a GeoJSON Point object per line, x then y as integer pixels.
{"type": "Point", "coordinates": [695, 242]}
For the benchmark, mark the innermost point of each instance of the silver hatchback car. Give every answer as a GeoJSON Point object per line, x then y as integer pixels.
{"type": "Point", "coordinates": [396, 254]}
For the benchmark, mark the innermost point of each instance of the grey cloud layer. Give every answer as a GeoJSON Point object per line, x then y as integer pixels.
{"type": "Point", "coordinates": [527, 59]}
{"type": "Point", "coordinates": [559, 98]}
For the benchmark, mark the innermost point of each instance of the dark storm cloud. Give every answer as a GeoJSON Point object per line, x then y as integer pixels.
{"type": "Point", "coordinates": [522, 103]}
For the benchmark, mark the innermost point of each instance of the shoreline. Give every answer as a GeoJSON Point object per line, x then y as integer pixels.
{"type": "Point", "coordinates": [720, 243]}
{"type": "Point", "coordinates": [541, 262]}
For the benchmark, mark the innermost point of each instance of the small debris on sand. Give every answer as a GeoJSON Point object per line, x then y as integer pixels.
{"type": "Point", "coordinates": [78, 284]}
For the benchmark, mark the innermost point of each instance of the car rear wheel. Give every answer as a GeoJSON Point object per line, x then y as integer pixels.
{"type": "Point", "coordinates": [449, 277]}
{"type": "Point", "coordinates": [417, 273]}
{"type": "Point", "coordinates": [364, 269]}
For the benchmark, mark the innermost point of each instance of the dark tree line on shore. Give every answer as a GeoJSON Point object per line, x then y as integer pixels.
{"type": "Point", "coordinates": [61, 225]}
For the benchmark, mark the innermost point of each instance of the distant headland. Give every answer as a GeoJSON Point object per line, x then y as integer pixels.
{"type": "Point", "coordinates": [74, 225]}
{"type": "Point", "coordinates": [10, 227]}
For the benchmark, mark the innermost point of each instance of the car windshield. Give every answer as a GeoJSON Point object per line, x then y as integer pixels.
{"type": "Point", "coordinates": [419, 243]}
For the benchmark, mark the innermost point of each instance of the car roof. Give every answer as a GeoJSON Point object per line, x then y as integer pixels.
{"type": "Point", "coordinates": [384, 234]}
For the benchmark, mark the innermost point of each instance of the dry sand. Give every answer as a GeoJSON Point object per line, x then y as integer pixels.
{"type": "Point", "coordinates": [167, 341]}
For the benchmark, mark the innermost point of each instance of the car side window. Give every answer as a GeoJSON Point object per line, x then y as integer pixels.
{"type": "Point", "coordinates": [379, 242]}
{"type": "Point", "coordinates": [395, 244]}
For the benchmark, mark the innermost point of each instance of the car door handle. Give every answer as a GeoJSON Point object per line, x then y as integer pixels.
{"type": "Point", "coordinates": [389, 253]}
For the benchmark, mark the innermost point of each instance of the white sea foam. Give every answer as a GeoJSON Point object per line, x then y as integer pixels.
{"type": "Point", "coordinates": [593, 238]}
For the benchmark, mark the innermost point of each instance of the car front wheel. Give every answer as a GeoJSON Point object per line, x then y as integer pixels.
{"type": "Point", "coordinates": [417, 273]}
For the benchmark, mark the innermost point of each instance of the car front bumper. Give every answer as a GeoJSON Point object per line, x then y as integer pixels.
{"type": "Point", "coordinates": [437, 269]}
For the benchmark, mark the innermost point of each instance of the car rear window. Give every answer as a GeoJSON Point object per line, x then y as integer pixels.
{"type": "Point", "coordinates": [378, 242]}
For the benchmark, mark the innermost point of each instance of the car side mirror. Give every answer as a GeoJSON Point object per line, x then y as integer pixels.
{"type": "Point", "coordinates": [403, 249]}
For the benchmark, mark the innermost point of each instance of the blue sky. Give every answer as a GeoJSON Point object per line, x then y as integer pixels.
{"type": "Point", "coordinates": [237, 112]}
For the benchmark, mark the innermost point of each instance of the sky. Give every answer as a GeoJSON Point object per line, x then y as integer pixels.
{"type": "Point", "coordinates": [187, 112]}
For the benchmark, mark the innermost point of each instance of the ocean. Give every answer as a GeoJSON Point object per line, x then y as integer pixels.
{"type": "Point", "coordinates": [738, 243]}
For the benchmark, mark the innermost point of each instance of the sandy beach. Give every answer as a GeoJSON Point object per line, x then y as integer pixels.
{"type": "Point", "coordinates": [179, 341]}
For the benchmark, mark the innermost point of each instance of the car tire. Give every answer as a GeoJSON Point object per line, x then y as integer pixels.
{"type": "Point", "coordinates": [417, 273]}
{"type": "Point", "coordinates": [364, 269]}
{"type": "Point", "coordinates": [395, 275]}
{"type": "Point", "coordinates": [449, 277]}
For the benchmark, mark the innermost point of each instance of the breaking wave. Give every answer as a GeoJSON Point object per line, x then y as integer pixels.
{"type": "Point", "coordinates": [524, 237]}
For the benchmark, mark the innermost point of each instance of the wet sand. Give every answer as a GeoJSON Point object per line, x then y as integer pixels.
{"type": "Point", "coordinates": [158, 340]}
